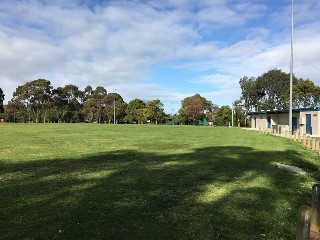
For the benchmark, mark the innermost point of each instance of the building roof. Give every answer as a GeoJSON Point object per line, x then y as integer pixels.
{"type": "Point", "coordinates": [285, 111]}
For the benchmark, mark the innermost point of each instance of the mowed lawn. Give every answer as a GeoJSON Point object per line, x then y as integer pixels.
{"type": "Point", "coordinates": [91, 181]}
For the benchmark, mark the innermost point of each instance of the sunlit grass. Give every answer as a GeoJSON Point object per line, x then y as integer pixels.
{"type": "Point", "coordinates": [91, 181]}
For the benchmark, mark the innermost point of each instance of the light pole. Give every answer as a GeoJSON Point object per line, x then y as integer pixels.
{"type": "Point", "coordinates": [231, 114]}
{"type": "Point", "coordinates": [114, 106]}
{"type": "Point", "coordinates": [291, 70]}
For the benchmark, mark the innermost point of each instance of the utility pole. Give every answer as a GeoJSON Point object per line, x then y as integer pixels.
{"type": "Point", "coordinates": [231, 114]}
{"type": "Point", "coordinates": [114, 106]}
{"type": "Point", "coordinates": [291, 70]}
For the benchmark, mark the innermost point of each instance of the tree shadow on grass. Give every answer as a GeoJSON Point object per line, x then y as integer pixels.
{"type": "Point", "coordinates": [211, 193]}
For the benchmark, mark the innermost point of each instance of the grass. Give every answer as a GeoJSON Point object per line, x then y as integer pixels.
{"type": "Point", "coordinates": [90, 181]}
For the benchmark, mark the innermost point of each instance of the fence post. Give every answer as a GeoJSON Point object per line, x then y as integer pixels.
{"type": "Point", "coordinates": [304, 140]}
{"type": "Point", "coordinates": [308, 142]}
{"type": "Point", "coordinates": [317, 146]}
{"type": "Point", "coordinates": [299, 137]}
{"type": "Point", "coordinates": [304, 222]}
{"type": "Point", "coordinates": [313, 144]}
{"type": "Point", "coordinates": [315, 205]}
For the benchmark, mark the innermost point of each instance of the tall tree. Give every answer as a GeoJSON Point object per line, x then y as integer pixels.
{"type": "Point", "coordinates": [93, 107]}
{"type": "Point", "coordinates": [36, 95]}
{"type": "Point", "coordinates": [16, 111]}
{"type": "Point", "coordinates": [71, 96]}
{"type": "Point", "coordinates": [224, 116]}
{"type": "Point", "coordinates": [155, 112]}
{"type": "Point", "coordinates": [273, 88]}
{"type": "Point", "coordinates": [249, 92]}
{"type": "Point", "coordinates": [132, 110]}
{"type": "Point", "coordinates": [86, 93]}
{"type": "Point", "coordinates": [306, 94]}
{"type": "Point", "coordinates": [1, 101]}
{"type": "Point", "coordinates": [114, 107]}
{"type": "Point", "coordinates": [268, 91]}
{"type": "Point", "coordinates": [194, 107]}
{"type": "Point", "coordinates": [91, 110]}
{"type": "Point", "coordinates": [59, 104]}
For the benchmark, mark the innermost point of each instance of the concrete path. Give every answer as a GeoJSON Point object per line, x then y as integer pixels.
{"type": "Point", "coordinates": [291, 168]}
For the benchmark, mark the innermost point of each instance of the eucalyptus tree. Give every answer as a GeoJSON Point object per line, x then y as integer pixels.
{"type": "Point", "coordinates": [249, 93]}
{"type": "Point", "coordinates": [1, 100]}
{"type": "Point", "coordinates": [114, 108]}
{"type": "Point", "coordinates": [273, 90]}
{"type": "Point", "coordinates": [87, 93]}
{"type": "Point", "coordinates": [71, 97]}
{"type": "Point", "coordinates": [223, 116]}
{"type": "Point", "coordinates": [35, 95]}
{"type": "Point", "coordinates": [155, 112]}
{"type": "Point", "coordinates": [132, 111]}
{"type": "Point", "coordinates": [93, 106]}
{"type": "Point", "coordinates": [16, 111]}
{"type": "Point", "coordinates": [306, 94]}
{"type": "Point", "coordinates": [270, 91]}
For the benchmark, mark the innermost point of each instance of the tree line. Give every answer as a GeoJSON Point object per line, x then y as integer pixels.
{"type": "Point", "coordinates": [38, 101]}
{"type": "Point", "coordinates": [271, 91]}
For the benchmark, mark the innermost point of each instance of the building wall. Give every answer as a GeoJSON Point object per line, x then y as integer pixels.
{"type": "Point", "coordinates": [282, 120]}
{"type": "Point", "coordinates": [261, 121]}
{"type": "Point", "coordinates": [315, 120]}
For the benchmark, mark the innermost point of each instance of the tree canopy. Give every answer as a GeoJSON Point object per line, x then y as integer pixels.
{"type": "Point", "coordinates": [194, 108]}
{"type": "Point", "coordinates": [1, 100]}
{"type": "Point", "coordinates": [306, 94]}
{"type": "Point", "coordinates": [35, 94]}
{"type": "Point", "coordinates": [271, 91]}
{"type": "Point", "coordinates": [38, 101]}
{"type": "Point", "coordinates": [223, 116]}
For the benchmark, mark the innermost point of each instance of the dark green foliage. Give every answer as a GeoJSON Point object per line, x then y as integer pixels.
{"type": "Point", "coordinates": [93, 106]}
{"type": "Point", "coordinates": [36, 95]}
{"type": "Point", "coordinates": [1, 100]}
{"type": "Point", "coordinates": [155, 111]}
{"type": "Point", "coordinates": [114, 107]}
{"type": "Point", "coordinates": [37, 101]}
{"type": "Point", "coordinates": [134, 113]}
{"type": "Point", "coordinates": [306, 94]}
{"type": "Point", "coordinates": [271, 91]}
{"type": "Point", "coordinates": [194, 108]}
{"type": "Point", "coordinates": [66, 104]}
{"type": "Point", "coordinates": [223, 116]}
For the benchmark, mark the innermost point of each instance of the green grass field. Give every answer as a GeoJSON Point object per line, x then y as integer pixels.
{"type": "Point", "coordinates": [91, 181]}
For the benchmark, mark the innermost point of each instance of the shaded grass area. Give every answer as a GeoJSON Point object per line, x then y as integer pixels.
{"type": "Point", "coordinates": [149, 182]}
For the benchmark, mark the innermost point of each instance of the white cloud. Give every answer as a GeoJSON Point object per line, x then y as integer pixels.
{"type": "Point", "coordinates": [117, 43]}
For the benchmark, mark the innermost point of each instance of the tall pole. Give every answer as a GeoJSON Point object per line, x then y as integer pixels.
{"type": "Point", "coordinates": [291, 70]}
{"type": "Point", "coordinates": [114, 107]}
{"type": "Point", "coordinates": [231, 114]}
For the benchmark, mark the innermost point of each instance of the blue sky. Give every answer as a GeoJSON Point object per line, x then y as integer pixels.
{"type": "Point", "coordinates": [160, 49]}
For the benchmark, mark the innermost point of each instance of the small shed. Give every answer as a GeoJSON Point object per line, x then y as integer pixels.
{"type": "Point", "coordinates": [170, 121]}
{"type": "Point", "coordinates": [203, 122]}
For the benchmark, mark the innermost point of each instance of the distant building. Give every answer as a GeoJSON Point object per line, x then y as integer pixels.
{"type": "Point", "coordinates": [304, 120]}
{"type": "Point", "coordinates": [203, 122]}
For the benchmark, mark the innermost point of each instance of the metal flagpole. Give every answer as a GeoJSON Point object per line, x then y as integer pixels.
{"type": "Point", "coordinates": [114, 106]}
{"type": "Point", "coordinates": [291, 70]}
